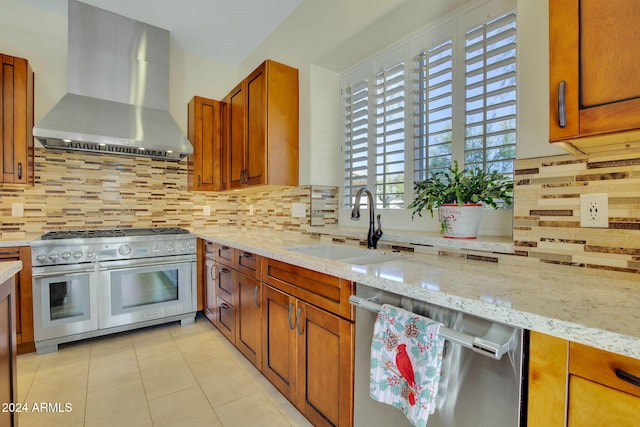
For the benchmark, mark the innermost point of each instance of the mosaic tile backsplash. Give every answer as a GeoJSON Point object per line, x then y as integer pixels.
{"type": "Point", "coordinates": [78, 190]}
{"type": "Point", "coordinates": [547, 211]}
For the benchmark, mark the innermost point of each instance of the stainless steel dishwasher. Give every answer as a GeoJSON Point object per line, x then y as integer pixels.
{"type": "Point", "coordinates": [476, 389]}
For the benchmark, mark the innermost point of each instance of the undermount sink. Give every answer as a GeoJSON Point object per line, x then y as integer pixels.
{"type": "Point", "coordinates": [346, 254]}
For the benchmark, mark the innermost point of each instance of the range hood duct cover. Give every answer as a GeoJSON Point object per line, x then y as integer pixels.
{"type": "Point", "coordinates": [118, 90]}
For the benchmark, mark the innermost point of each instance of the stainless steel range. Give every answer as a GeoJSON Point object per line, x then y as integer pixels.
{"type": "Point", "coordinates": [89, 283]}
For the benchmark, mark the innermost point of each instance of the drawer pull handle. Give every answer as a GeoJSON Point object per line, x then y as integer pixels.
{"type": "Point", "coordinates": [291, 325]}
{"type": "Point", "coordinates": [225, 306]}
{"type": "Point", "coordinates": [562, 110]}
{"type": "Point", "coordinates": [213, 272]}
{"type": "Point", "coordinates": [224, 270]}
{"type": "Point", "coordinates": [247, 255]}
{"type": "Point", "coordinates": [627, 377]}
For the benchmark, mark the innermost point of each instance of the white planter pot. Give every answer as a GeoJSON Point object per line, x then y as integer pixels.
{"type": "Point", "coordinates": [460, 222]}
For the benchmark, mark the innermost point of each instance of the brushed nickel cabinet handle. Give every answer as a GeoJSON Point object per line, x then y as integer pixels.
{"type": "Point", "coordinates": [213, 272]}
{"type": "Point", "coordinates": [291, 325]}
{"type": "Point", "coordinates": [19, 170]}
{"type": "Point", "coordinates": [562, 110]}
{"type": "Point", "coordinates": [298, 328]}
{"type": "Point", "coordinates": [255, 297]}
{"type": "Point", "coordinates": [627, 377]}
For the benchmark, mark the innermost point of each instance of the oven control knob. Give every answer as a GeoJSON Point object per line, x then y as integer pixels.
{"type": "Point", "coordinates": [182, 247]}
{"type": "Point", "coordinates": [124, 249]}
{"type": "Point", "coordinates": [65, 255]}
{"type": "Point", "coordinates": [90, 253]}
{"type": "Point", "coordinates": [170, 247]}
{"type": "Point", "coordinates": [191, 247]}
{"type": "Point", "coordinates": [53, 256]}
{"type": "Point", "coordinates": [77, 254]}
{"type": "Point", "coordinates": [41, 257]}
{"type": "Point", "coordinates": [155, 249]}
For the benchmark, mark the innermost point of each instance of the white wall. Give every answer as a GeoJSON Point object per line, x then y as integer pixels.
{"type": "Point", "coordinates": [316, 40]}
{"type": "Point", "coordinates": [41, 37]}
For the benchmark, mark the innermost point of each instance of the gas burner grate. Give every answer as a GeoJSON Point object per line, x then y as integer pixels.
{"type": "Point", "coordinates": [123, 232]}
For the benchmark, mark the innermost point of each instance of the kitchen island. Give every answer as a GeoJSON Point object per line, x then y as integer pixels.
{"type": "Point", "coordinates": [563, 302]}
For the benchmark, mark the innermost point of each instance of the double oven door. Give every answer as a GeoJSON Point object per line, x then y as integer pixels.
{"type": "Point", "coordinates": [74, 300]}
{"type": "Point", "coordinates": [65, 301]}
{"type": "Point", "coordinates": [132, 292]}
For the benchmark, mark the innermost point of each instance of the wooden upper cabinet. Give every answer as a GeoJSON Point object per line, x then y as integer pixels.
{"type": "Point", "coordinates": [594, 89]}
{"type": "Point", "coordinates": [16, 121]}
{"type": "Point", "coordinates": [206, 165]}
{"type": "Point", "coordinates": [261, 127]}
{"type": "Point", "coordinates": [234, 134]}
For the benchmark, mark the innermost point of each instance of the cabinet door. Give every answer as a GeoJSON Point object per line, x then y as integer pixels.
{"type": "Point", "coordinates": [590, 51]}
{"type": "Point", "coordinates": [16, 121]}
{"type": "Point", "coordinates": [210, 299]}
{"type": "Point", "coordinates": [8, 365]}
{"type": "Point", "coordinates": [23, 297]}
{"type": "Point", "coordinates": [235, 121]}
{"type": "Point", "coordinates": [205, 134]}
{"type": "Point", "coordinates": [325, 366]}
{"type": "Point", "coordinates": [255, 158]}
{"type": "Point", "coordinates": [248, 335]}
{"type": "Point", "coordinates": [278, 340]}
{"type": "Point", "coordinates": [592, 404]}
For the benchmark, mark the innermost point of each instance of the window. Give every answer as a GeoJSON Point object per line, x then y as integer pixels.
{"type": "Point", "coordinates": [447, 94]}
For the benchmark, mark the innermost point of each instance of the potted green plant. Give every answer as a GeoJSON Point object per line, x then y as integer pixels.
{"type": "Point", "coordinates": [460, 196]}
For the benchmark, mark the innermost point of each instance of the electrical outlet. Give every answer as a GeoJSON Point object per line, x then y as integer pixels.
{"type": "Point", "coordinates": [298, 210]}
{"type": "Point", "coordinates": [250, 210]}
{"type": "Point", "coordinates": [206, 210]}
{"type": "Point", "coordinates": [17, 209]}
{"type": "Point", "coordinates": [594, 210]}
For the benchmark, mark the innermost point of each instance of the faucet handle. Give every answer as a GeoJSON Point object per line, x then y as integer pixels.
{"type": "Point", "coordinates": [378, 233]}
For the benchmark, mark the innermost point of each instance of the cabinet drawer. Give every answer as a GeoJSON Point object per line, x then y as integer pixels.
{"type": "Point", "coordinates": [610, 369]}
{"type": "Point", "coordinates": [592, 404]}
{"type": "Point", "coordinates": [226, 284]}
{"type": "Point", "coordinates": [224, 254]}
{"type": "Point", "coordinates": [322, 290]}
{"type": "Point", "coordinates": [227, 320]}
{"type": "Point", "coordinates": [247, 263]}
{"type": "Point", "coordinates": [209, 249]}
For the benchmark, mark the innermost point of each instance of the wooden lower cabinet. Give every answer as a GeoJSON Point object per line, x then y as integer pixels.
{"type": "Point", "coordinates": [8, 365]}
{"type": "Point", "coordinates": [249, 326]}
{"type": "Point", "coordinates": [23, 297]}
{"type": "Point", "coordinates": [325, 367]}
{"type": "Point", "coordinates": [576, 385]}
{"type": "Point", "coordinates": [209, 276]}
{"type": "Point", "coordinates": [308, 356]}
{"type": "Point", "coordinates": [295, 325]}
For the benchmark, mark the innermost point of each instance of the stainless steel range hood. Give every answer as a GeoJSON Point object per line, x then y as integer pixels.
{"type": "Point", "coordinates": [118, 90]}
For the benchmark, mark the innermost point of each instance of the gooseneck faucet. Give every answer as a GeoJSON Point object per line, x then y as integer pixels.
{"type": "Point", "coordinates": [374, 235]}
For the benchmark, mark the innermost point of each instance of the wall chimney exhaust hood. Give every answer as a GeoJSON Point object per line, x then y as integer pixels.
{"type": "Point", "coordinates": [118, 90]}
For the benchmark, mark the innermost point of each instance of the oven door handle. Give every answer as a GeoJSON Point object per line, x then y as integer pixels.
{"type": "Point", "coordinates": [104, 266]}
{"type": "Point", "coordinates": [62, 273]}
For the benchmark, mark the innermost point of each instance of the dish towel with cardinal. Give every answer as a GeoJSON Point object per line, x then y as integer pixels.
{"type": "Point", "coordinates": [406, 357]}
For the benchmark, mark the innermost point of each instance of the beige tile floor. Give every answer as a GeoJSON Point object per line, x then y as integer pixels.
{"type": "Point", "coordinates": [162, 376]}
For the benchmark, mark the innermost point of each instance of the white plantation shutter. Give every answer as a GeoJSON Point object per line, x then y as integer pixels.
{"type": "Point", "coordinates": [356, 138]}
{"type": "Point", "coordinates": [433, 121]}
{"type": "Point", "coordinates": [390, 136]}
{"type": "Point", "coordinates": [446, 94]}
{"type": "Point", "coordinates": [490, 95]}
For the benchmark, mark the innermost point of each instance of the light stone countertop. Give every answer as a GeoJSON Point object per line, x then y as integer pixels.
{"type": "Point", "coordinates": [8, 269]}
{"type": "Point", "coordinates": [565, 302]}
